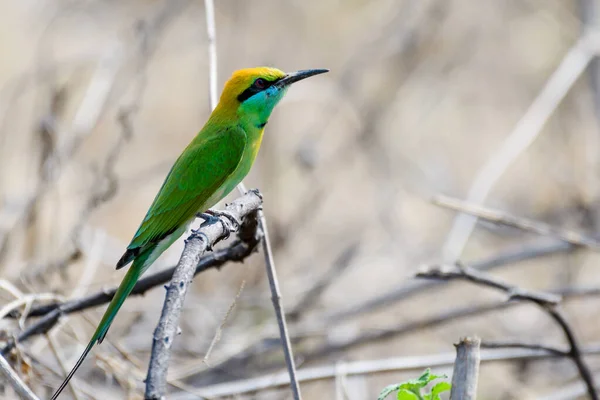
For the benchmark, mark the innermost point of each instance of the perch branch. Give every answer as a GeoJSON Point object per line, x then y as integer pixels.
{"type": "Point", "coordinates": [167, 327]}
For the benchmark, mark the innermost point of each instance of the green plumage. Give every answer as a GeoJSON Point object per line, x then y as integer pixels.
{"type": "Point", "coordinates": [212, 165]}
{"type": "Point", "coordinates": [198, 174]}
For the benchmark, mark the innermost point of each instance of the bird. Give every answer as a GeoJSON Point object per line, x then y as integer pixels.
{"type": "Point", "coordinates": [210, 167]}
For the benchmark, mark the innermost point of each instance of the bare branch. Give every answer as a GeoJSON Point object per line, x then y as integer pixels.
{"type": "Point", "coordinates": [503, 218]}
{"type": "Point", "coordinates": [276, 298]}
{"type": "Point", "coordinates": [497, 344]}
{"type": "Point", "coordinates": [520, 253]}
{"type": "Point", "coordinates": [211, 32]}
{"type": "Point", "coordinates": [543, 300]}
{"type": "Point", "coordinates": [16, 382]}
{"type": "Point", "coordinates": [312, 295]}
{"type": "Point", "coordinates": [466, 369]}
{"type": "Point", "coordinates": [450, 272]}
{"type": "Point", "coordinates": [167, 327]}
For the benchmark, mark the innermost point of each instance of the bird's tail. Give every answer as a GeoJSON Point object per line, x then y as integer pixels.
{"type": "Point", "coordinates": [126, 286]}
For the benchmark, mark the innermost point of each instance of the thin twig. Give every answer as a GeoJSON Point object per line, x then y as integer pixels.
{"type": "Point", "coordinates": [312, 295]}
{"type": "Point", "coordinates": [500, 217]}
{"type": "Point", "coordinates": [549, 307]}
{"type": "Point", "coordinates": [62, 365]}
{"type": "Point", "coordinates": [503, 344]}
{"type": "Point", "coordinates": [466, 370]}
{"type": "Point", "coordinates": [211, 32]}
{"type": "Point", "coordinates": [276, 298]}
{"type": "Point", "coordinates": [450, 272]}
{"type": "Point", "coordinates": [405, 291]}
{"type": "Point", "coordinates": [262, 224]}
{"type": "Point", "coordinates": [524, 133]}
{"type": "Point", "coordinates": [588, 13]}
{"type": "Point", "coordinates": [17, 384]}
{"type": "Point", "coordinates": [219, 331]}
{"type": "Point", "coordinates": [167, 327]}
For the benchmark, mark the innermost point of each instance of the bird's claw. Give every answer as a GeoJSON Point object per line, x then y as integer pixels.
{"type": "Point", "coordinates": [198, 233]}
{"type": "Point", "coordinates": [230, 222]}
{"type": "Point", "coordinates": [232, 218]}
{"type": "Point", "coordinates": [208, 218]}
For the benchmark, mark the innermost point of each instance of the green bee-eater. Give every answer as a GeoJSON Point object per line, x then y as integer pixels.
{"type": "Point", "coordinates": [210, 167]}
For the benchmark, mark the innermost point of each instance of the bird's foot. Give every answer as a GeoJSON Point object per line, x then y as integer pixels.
{"type": "Point", "coordinates": [209, 219]}
{"type": "Point", "coordinates": [232, 218]}
{"type": "Point", "coordinates": [230, 222]}
{"type": "Point", "coordinates": [198, 233]}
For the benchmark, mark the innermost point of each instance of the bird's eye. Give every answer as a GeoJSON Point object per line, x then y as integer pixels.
{"type": "Point", "coordinates": [260, 83]}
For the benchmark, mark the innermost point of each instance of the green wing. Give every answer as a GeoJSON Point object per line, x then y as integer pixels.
{"type": "Point", "coordinates": [197, 174]}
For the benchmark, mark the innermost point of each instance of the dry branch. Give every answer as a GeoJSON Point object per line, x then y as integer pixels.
{"type": "Point", "coordinates": [545, 302]}
{"type": "Point", "coordinates": [167, 327]}
{"type": "Point", "coordinates": [504, 218]}
{"type": "Point", "coordinates": [11, 377]}
{"type": "Point", "coordinates": [458, 271]}
{"type": "Point", "coordinates": [312, 295]}
{"type": "Point", "coordinates": [520, 253]}
{"type": "Point", "coordinates": [279, 313]}
{"type": "Point", "coordinates": [466, 370]}
{"type": "Point", "coordinates": [497, 344]}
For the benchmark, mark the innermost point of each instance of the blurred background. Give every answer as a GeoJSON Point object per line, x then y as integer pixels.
{"type": "Point", "coordinates": [99, 97]}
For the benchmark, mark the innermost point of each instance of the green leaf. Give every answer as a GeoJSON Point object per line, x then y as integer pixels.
{"type": "Point", "coordinates": [441, 387]}
{"type": "Point", "coordinates": [415, 385]}
{"type": "Point", "coordinates": [387, 390]}
{"type": "Point", "coordinates": [411, 390]}
{"type": "Point", "coordinates": [438, 388]}
{"type": "Point", "coordinates": [407, 395]}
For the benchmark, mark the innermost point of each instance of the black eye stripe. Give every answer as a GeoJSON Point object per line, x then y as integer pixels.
{"type": "Point", "coordinates": [252, 90]}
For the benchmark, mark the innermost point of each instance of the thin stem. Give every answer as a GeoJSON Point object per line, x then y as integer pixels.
{"type": "Point", "coordinates": [276, 298]}
{"type": "Point", "coordinates": [16, 382]}
{"type": "Point", "coordinates": [266, 242]}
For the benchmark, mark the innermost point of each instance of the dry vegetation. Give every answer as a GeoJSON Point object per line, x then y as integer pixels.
{"type": "Point", "coordinates": [98, 97]}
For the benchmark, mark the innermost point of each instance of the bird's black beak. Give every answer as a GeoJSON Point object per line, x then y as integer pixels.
{"type": "Point", "coordinates": [292, 77]}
